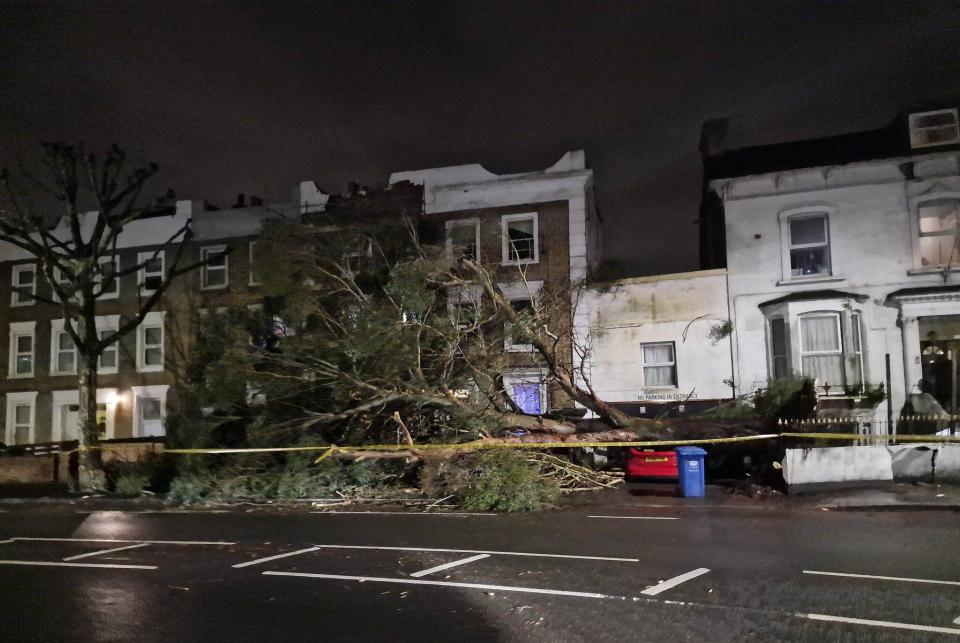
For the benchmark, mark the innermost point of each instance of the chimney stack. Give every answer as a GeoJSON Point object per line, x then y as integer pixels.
{"type": "Point", "coordinates": [241, 200]}
{"type": "Point", "coordinates": [712, 136]}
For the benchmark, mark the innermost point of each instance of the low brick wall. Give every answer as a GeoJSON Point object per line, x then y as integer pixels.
{"type": "Point", "coordinates": [28, 469]}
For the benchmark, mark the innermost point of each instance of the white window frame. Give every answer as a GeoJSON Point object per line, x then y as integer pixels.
{"type": "Point", "coordinates": [529, 376]}
{"type": "Point", "coordinates": [644, 364]}
{"type": "Point", "coordinates": [771, 359]}
{"type": "Point", "coordinates": [457, 223]}
{"type": "Point", "coordinates": [158, 392]}
{"type": "Point", "coordinates": [25, 398]}
{"type": "Point", "coordinates": [917, 131]}
{"type": "Point", "coordinates": [152, 320]}
{"type": "Point", "coordinates": [15, 298]}
{"type": "Point", "coordinates": [459, 295]}
{"type": "Point", "coordinates": [205, 253]}
{"type": "Point", "coordinates": [519, 291]}
{"type": "Point", "coordinates": [108, 396]}
{"type": "Point", "coordinates": [142, 274]}
{"type": "Point", "coordinates": [840, 350]}
{"type": "Point", "coordinates": [505, 221]}
{"type": "Point", "coordinates": [791, 246]}
{"type": "Point", "coordinates": [116, 280]}
{"type": "Point", "coordinates": [57, 328]}
{"type": "Point", "coordinates": [109, 324]}
{"type": "Point", "coordinates": [917, 235]}
{"type": "Point", "coordinates": [22, 329]}
{"type": "Point", "coordinates": [58, 277]}
{"type": "Point", "coordinates": [251, 264]}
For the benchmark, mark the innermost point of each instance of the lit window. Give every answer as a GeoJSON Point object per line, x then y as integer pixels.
{"type": "Point", "coordinates": [150, 343]}
{"type": "Point", "coordinates": [23, 285]}
{"type": "Point", "coordinates": [22, 340]}
{"type": "Point", "coordinates": [149, 410]}
{"type": "Point", "coordinates": [214, 271]}
{"type": "Point", "coordinates": [528, 391]}
{"type": "Point", "coordinates": [937, 224]}
{"type": "Point", "coordinates": [809, 246]}
{"type": "Point", "coordinates": [934, 128]}
{"type": "Point", "coordinates": [463, 239]}
{"type": "Point", "coordinates": [520, 239]}
{"type": "Point", "coordinates": [151, 271]}
{"type": "Point", "coordinates": [659, 365]}
{"type": "Point", "coordinates": [106, 277]}
{"type": "Point", "coordinates": [821, 349]}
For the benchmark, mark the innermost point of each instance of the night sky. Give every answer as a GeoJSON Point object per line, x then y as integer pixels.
{"type": "Point", "coordinates": [254, 97]}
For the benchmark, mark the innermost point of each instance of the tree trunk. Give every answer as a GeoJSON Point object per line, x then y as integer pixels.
{"type": "Point", "coordinates": [90, 472]}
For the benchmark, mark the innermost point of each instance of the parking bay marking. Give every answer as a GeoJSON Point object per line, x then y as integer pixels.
{"type": "Point", "coordinates": [455, 563]}
{"type": "Point", "coordinates": [401, 513]}
{"type": "Point", "coordinates": [874, 577]}
{"type": "Point", "coordinates": [481, 551]}
{"type": "Point", "coordinates": [112, 540]}
{"type": "Point", "coordinates": [409, 581]}
{"type": "Point", "coordinates": [105, 551]}
{"type": "Point", "coordinates": [44, 563]}
{"type": "Point", "coordinates": [637, 517]}
{"type": "Point", "coordinates": [888, 624]}
{"type": "Point", "coordinates": [257, 561]}
{"type": "Point", "coordinates": [653, 590]}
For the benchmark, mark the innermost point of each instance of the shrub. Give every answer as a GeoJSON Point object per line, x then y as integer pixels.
{"type": "Point", "coordinates": [500, 480]}
{"type": "Point", "coordinates": [131, 484]}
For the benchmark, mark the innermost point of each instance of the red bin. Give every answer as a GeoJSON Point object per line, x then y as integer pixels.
{"type": "Point", "coordinates": [652, 464]}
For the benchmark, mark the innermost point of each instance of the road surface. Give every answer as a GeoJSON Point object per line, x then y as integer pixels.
{"type": "Point", "coordinates": [637, 573]}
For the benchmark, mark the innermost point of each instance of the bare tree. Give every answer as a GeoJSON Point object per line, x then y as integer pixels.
{"type": "Point", "coordinates": [74, 241]}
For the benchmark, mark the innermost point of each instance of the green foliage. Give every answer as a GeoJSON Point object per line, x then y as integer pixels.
{"type": "Point", "coordinates": [719, 332]}
{"type": "Point", "coordinates": [498, 480]}
{"type": "Point", "coordinates": [131, 484]}
{"type": "Point", "coordinates": [786, 397]}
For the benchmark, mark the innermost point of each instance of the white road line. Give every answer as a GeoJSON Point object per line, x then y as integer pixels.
{"type": "Point", "coordinates": [401, 513]}
{"type": "Point", "coordinates": [4, 542]}
{"type": "Point", "coordinates": [455, 563]}
{"type": "Point", "coordinates": [653, 590]}
{"type": "Point", "coordinates": [637, 517]}
{"type": "Point", "coordinates": [111, 540]}
{"type": "Point", "coordinates": [407, 581]}
{"type": "Point", "coordinates": [897, 626]}
{"type": "Point", "coordinates": [43, 563]}
{"type": "Point", "coordinates": [257, 561]}
{"type": "Point", "coordinates": [105, 551]}
{"type": "Point", "coordinates": [896, 578]}
{"type": "Point", "coordinates": [483, 551]}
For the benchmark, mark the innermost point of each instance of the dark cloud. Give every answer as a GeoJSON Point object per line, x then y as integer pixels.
{"type": "Point", "coordinates": [253, 97]}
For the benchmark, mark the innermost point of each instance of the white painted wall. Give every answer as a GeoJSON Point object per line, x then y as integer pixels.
{"type": "Point", "coordinates": [872, 209]}
{"type": "Point", "coordinates": [631, 312]}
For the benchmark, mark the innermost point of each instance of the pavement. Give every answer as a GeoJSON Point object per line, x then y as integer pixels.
{"type": "Point", "coordinates": [642, 567]}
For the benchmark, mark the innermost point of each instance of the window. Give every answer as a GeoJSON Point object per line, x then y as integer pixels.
{"type": "Point", "coordinates": [254, 281]}
{"type": "Point", "coordinates": [934, 128]}
{"type": "Point", "coordinates": [809, 245]}
{"type": "Point", "coordinates": [21, 417]}
{"type": "Point", "coordinates": [523, 298]}
{"type": "Point", "coordinates": [659, 365]}
{"type": "Point", "coordinates": [463, 305]}
{"type": "Point", "coordinates": [151, 272]}
{"type": "Point", "coordinates": [779, 357]}
{"type": "Point", "coordinates": [150, 343]}
{"type": "Point", "coordinates": [937, 225]}
{"type": "Point", "coordinates": [528, 391]}
{"type": "Point", "coordinates": [821, 349]}
{"type": "Point", "coordinates": [463, 239]}
{"type": "Point", "coordinates": [213, 275]}
{"type": "Point", "coordinates": [22, 341]}
{"type": "Point", "coordinates": [63, 352]}
{"type": "Point", "coordinates": [23, 284]}
{"type": "Point", "coordinates": [64, 283]}
{"type": "Point", "coordinates": [520, 239]}
{"type": "Point", "coordinates": [106, 276]}
{"type": "Point", "coordinates": [106, 326]}
{"type": "Point", "coordinates": [149, 410]}
{"type": "Point", "coordinates": [855, 352]}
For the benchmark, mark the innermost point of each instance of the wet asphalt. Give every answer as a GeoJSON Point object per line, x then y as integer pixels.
{"type": "Point", "coordinates": [756, 588]}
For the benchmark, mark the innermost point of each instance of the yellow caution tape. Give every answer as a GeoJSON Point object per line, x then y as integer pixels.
{"type": "Point", "coordinates": [330, 449]}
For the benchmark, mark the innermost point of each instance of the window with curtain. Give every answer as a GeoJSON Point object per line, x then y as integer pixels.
{"type": "Point", "coordinates": [821, 349]}
{"type": "Point", "coordinates": [659, 365]}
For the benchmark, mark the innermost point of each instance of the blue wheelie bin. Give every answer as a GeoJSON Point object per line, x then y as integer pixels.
{"type": "Point", "coordinates": [690, 468]}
